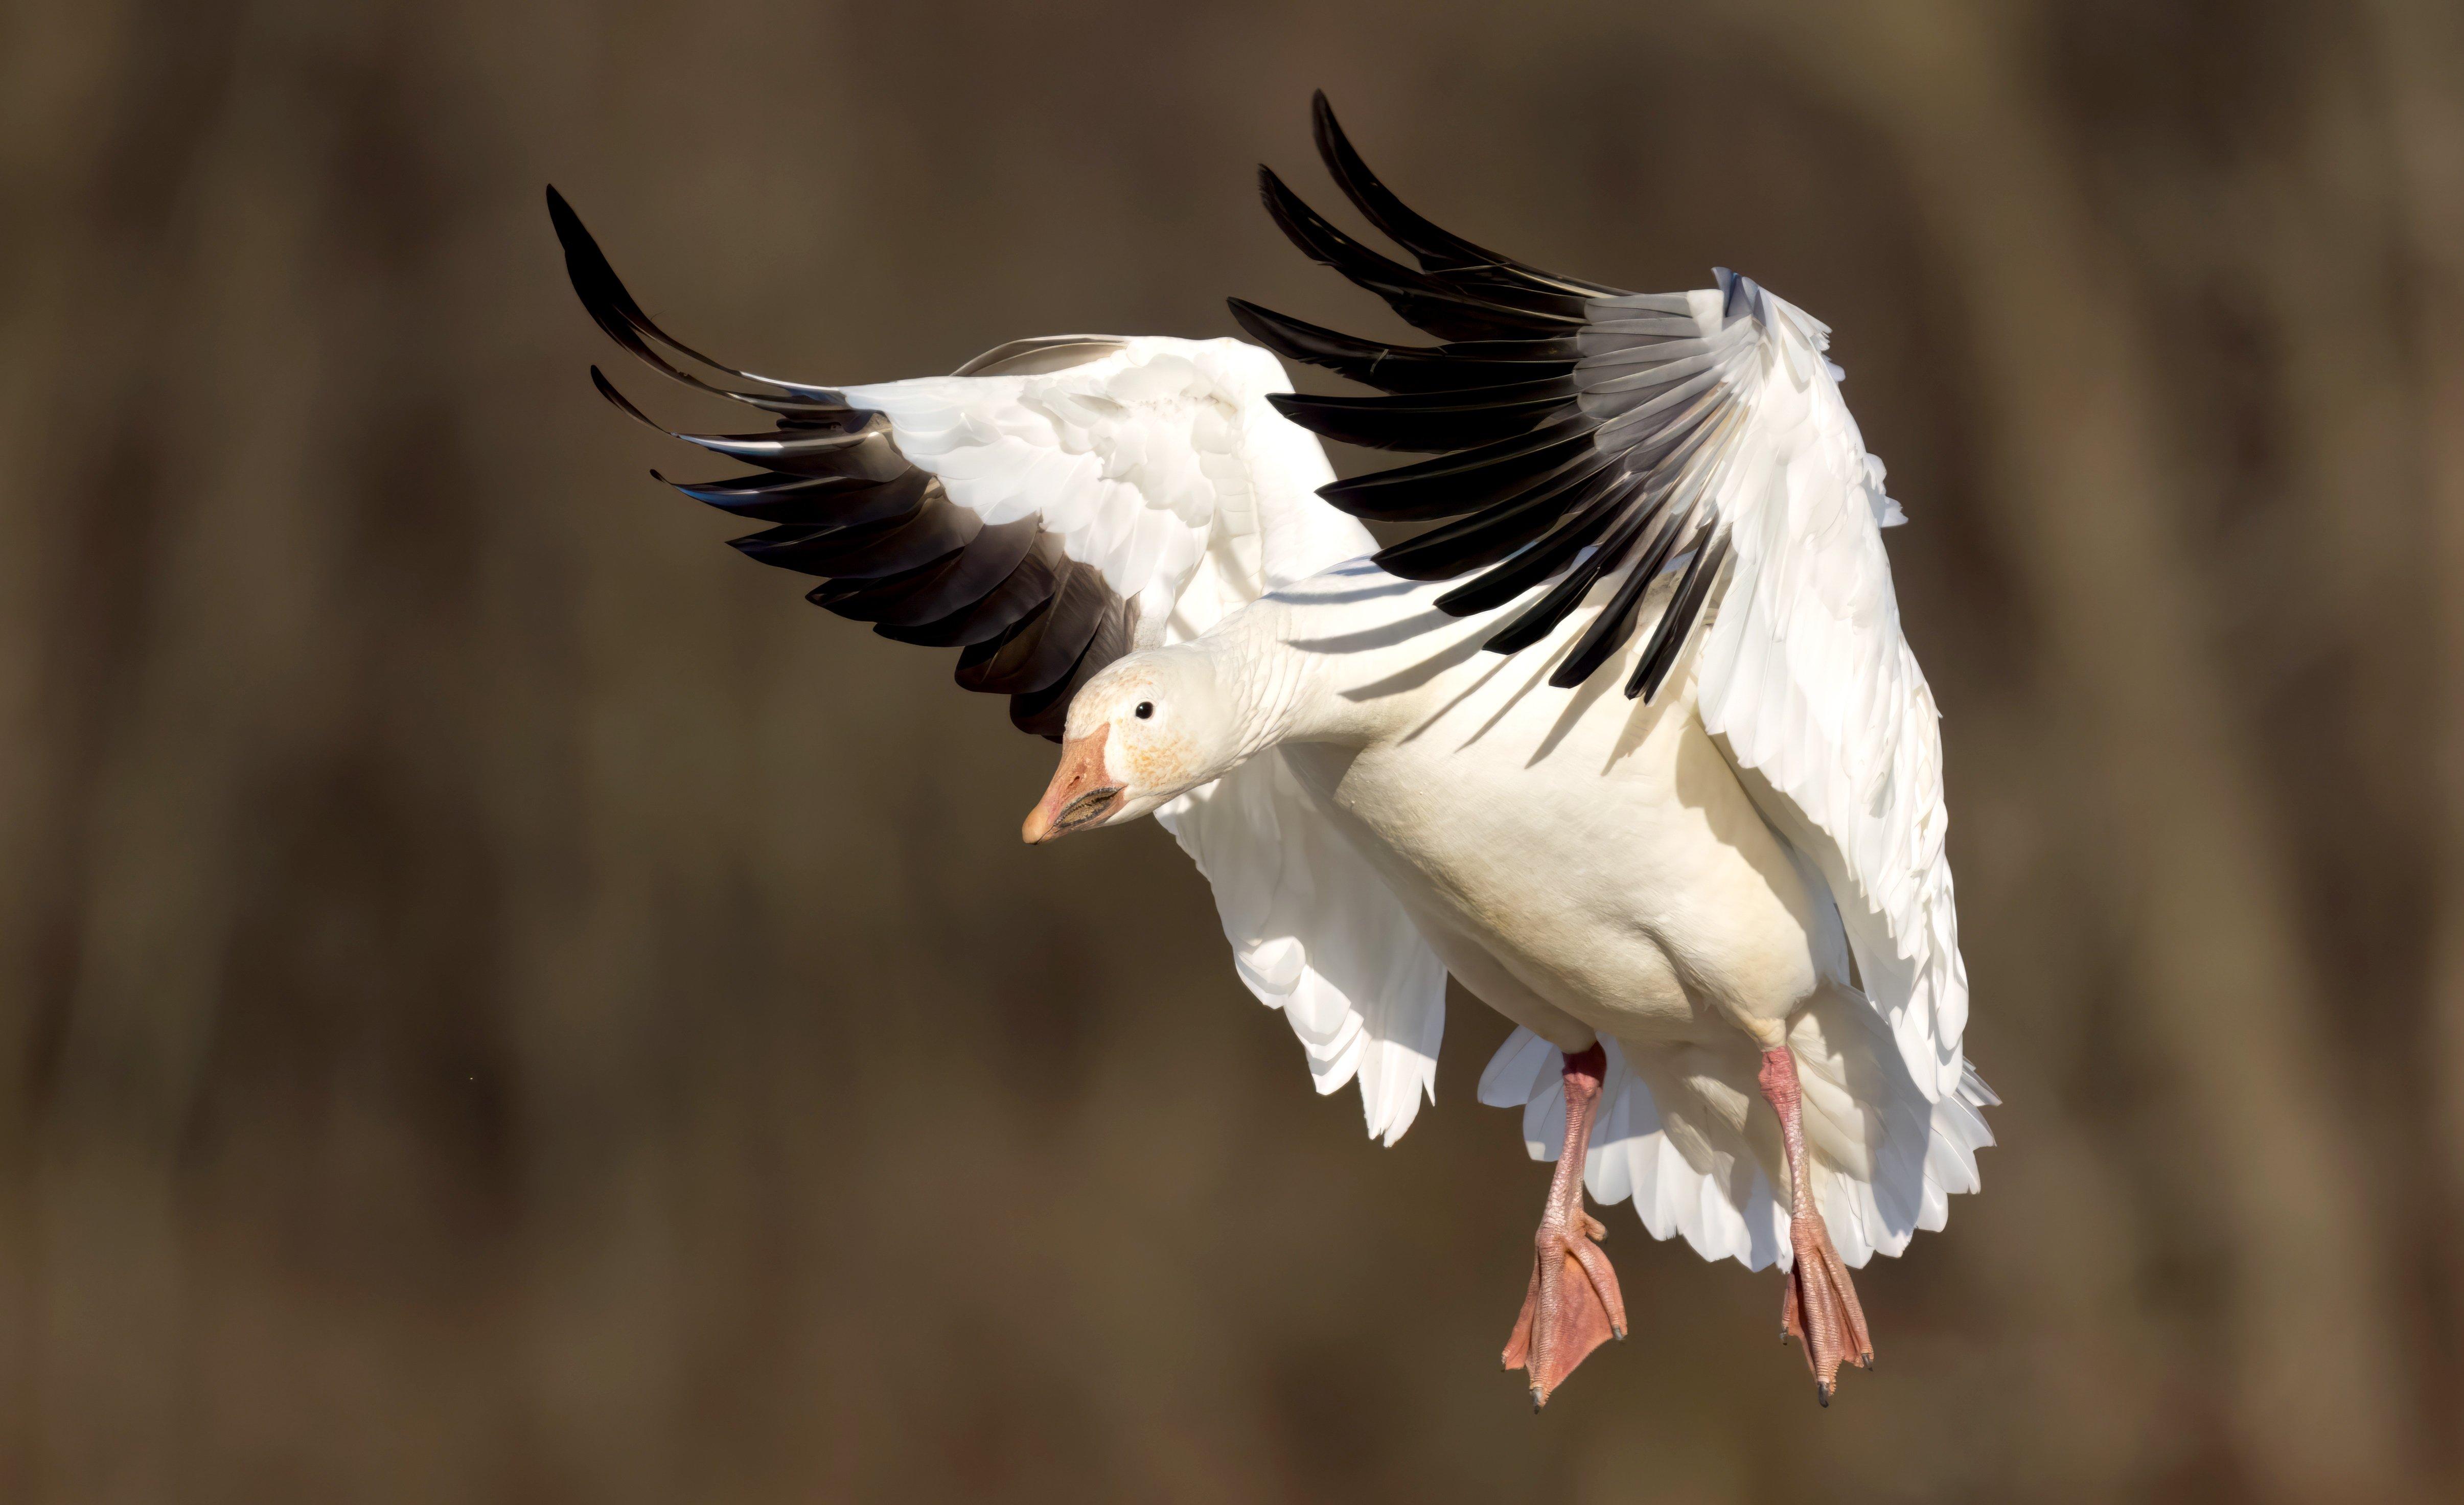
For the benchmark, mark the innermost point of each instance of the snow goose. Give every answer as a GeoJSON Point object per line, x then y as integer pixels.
{"type": "Point", "coordinates": [1716, 904]}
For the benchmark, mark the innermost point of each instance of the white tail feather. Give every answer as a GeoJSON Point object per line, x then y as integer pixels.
{"type": "Point", "coordinates": [1682, 1134]}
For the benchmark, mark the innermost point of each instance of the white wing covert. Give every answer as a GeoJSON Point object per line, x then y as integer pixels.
{"type": "Point", "coordinates": [1156, 463]}
{"type": "Point", "coordinates": [1054, 504]}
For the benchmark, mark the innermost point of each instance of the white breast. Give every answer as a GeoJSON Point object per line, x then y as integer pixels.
{"type": "Point", "coordinates": [1596, 852]}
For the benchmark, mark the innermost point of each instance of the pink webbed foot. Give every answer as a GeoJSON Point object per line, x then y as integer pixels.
{"type": "Point", "coordinates": [1572, 1304]}
{"type": "Point", "coordinates": [1818, 1307]}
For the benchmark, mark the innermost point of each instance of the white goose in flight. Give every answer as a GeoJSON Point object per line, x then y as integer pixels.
{"type": "Point", "coordinates": [1631, 744]}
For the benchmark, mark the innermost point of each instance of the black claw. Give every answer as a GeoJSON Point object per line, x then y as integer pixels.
{"type": "Point", "coordinates": [1537, 1400]}
{"type": "Point", "coordinates": [1822, 1393]}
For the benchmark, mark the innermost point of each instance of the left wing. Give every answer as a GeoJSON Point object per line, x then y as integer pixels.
{"type": "Point", "coordinates": [1049, 506]}
{"type": "Point", "coordinates": [1053, 503]}
{"type": "Point", "coordinates": [1594, 439]}
{"type": "Point", "coordinates": [1317, 934]}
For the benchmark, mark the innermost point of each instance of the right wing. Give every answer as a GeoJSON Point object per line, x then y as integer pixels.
{"type": "Point", "coordinates": [1052, 505]}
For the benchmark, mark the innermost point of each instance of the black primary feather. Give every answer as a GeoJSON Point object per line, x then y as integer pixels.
{"type": "Point", "coordinates": [1405, 368]}
{"type": "Point", "coordinates": [846, 505]}
{"type": "Point", "coordinates": [1436, 249]}
{"type": "Point", "coordinates": [1576, 427]}
{"type": "Point", "coordinates": [1693, 588]}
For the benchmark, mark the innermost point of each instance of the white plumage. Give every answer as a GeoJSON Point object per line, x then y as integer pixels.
{"type": "Point", "coordinates": [1802, 676]}
{"type": "Point", "coordinates": [1739, 861]}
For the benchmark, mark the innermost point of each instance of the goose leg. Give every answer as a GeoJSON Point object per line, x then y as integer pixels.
{"type": "Point", "coordinates": [1819, 1307]}
{"type": "Point", "coordinates": [1571, 1305]}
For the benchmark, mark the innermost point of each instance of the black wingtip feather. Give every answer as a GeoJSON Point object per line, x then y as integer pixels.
{"type": "Point", "coordinates": [1437, 249]}
{"type": "Point", "coordinates": [1464, 481]}
{"type": "Point", "coordinates": [623, 404]}
{"type": "Point", "coordinates": [1405, 368]}
{"type": "Point", "coordinates": [1668, 637]}
{"type": "Point", "coordinates": [569, 232]}
{"type": "Point", "coordinates": [1497, 532]}
{"type": "Point", "coordinates": [1425, 425]}
{"type": "Point", "coordinates": [1540, 618]}
{"type": "Point", "coordinates": [1596, 513]}
{"type": "Point", "coordinates": [1434, 248]}
{"type": "Point", "coordinates": [848, 507]}
{"type": "Point", "coordinates": [995, 588]}
{"type": "Point", "coordinates": [1616, 623]}
{"type": "Point", "coordinates": [1297, 339]}
{"type": "Point", "coordinates": [1529, 482]}
{"type": "Point", "coordinates": [613, 308]}
{"type": "Point", "coordinates": [603, 293]}
{"type": "Point", "coordinates": [1449, 311]}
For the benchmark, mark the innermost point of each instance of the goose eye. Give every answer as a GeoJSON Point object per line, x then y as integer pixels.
{"type": "Point", "coordinates": [1146, 710]}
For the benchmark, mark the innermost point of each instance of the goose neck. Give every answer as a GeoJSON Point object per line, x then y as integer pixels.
{"type": "Point", "coordinates": [1267, 683]}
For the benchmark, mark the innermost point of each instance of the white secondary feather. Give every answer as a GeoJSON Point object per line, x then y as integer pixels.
{"type": "Point", "coordinates": [1805, 677]}
{"type": "Point", "coordinates": [1317, 934]}
{"type": "Point", "coordinates": [1161, 464]}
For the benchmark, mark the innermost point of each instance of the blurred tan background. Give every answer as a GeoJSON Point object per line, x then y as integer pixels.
{"type": "Point", "coordinates": [501, 1001]}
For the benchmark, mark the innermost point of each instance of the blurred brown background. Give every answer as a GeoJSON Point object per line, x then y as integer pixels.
{"type": "Point", "coordinates": [501, 1001]}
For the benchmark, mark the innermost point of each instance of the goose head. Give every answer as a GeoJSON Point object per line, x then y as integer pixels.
{"type": "Point", "coordinates": [1147, 729]}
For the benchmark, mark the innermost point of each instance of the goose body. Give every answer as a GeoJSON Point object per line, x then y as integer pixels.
{"type": "Point", "coordinates": [1630, 743]}
{"type": "Point", "coordinates": [1587, 865]}
{"type": "Point", "coordinates": [1595, 869]}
